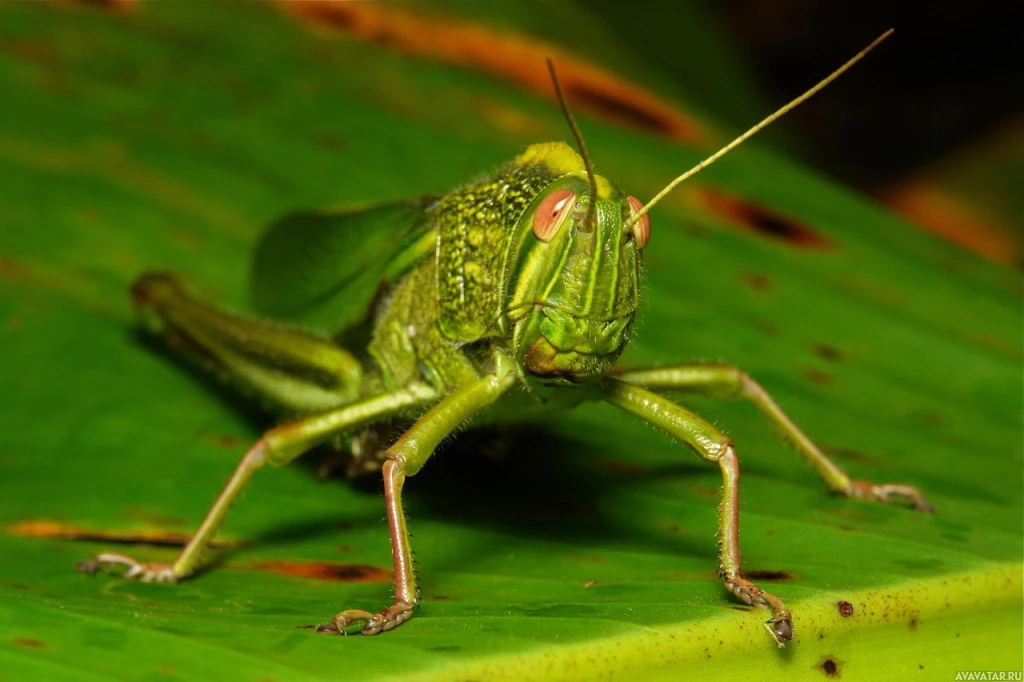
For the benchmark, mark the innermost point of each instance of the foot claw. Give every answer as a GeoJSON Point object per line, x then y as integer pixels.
{"type": "Point", "coordinates": [373, 623]}
{"type": "Point", "coordinates": [867, 490]}
{"type": "Point", "coordinates": [133, 570]}
{"type": "Point", "coordinates": [340, 623]}
{"type": "Point", "coordinates": [781, 629]}
{"type": "Point", "coordinates": [780, 625]}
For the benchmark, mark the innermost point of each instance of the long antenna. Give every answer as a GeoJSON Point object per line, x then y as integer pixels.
{"type": "Point", "coordinates": [742, 138]}
{"type": "Point", "coordinates": [588, 221]}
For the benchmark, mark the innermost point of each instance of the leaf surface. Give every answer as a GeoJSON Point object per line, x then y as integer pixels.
{"type": "Point", "coordinates": [169, 134]}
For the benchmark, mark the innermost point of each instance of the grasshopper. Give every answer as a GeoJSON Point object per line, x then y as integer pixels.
{"type": "Point", "coordinates": [511, 297]}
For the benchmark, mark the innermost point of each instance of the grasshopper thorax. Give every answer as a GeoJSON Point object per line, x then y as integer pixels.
{"type": "Point", "coordinates": [574, 280]}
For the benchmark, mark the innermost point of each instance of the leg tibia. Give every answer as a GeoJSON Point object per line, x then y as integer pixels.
{"type": "Point", "coordinates": [780, 625]}
{"type": "Point", "coordinates": [191, 556]}
{"type": "Point", "coordinates": [290, 370]}
{"type": "Point", "coordinates": [406, 457]}
{"type": "Point", "coordinates": [406, 590]}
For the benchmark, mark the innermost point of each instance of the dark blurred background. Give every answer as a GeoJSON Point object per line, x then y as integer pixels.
{"type": "Point", "coordinates": [950, 75]}
{"type": "Point", "coordinates": [930, 124]}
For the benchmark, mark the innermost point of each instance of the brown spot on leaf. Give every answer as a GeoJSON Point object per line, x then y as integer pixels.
{"type": "Point", "coordinates": [323, 570]}
{"type": "Point", "coordinates": [851, 455]}
{"type": "Point", "coordinates": [912, 624]}
{"type": "Point", "coordinates": [613, 106]}
{"type": "Point", "coordinates": [510, 56]}
{"type": "Point", "coordinates": [226, 441]}
{"type": "Point", "coordinates": [817, 376]}
{"type": "Point", "coordinates": [17, 586]}
{"type": "Point", "coordinates": [760, 220]}
{"type": "Point", "coordinates": [31, 643]}
{"type": "Point", "coordinates": [42, 528]}
{"type": "Point", "coordinates": [827, 352]}
{"type": "Point", "coordinates": [933, 418]}
{"type": "Point", "coordinates": [120, 5]}
{"type": "Point", "coordinates": [13, 323]}
{"type": "Point", "coordinates": [996, 343]}
{"type": "Point", "coordinates": [589, 584]}
{"type": "Point", "coordinates": [31, 51]}
{"type": "Point", "coordinates": [845, 609]}
{"type": "Point", "coordinates": [831, 667]}
{"type": "Point", "coordinates": [14, 271]}
{"type": "Point", "coordinates": [768, 575]}
{"type": "Point", "coordinates": [757, 281]}
{"type": "Point", "coordinates": [331, 140]}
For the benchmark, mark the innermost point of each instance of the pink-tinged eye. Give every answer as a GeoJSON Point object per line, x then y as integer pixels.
{"type": "Point", "coordinates": [642, 228]}
{"type": "Point", "coordinates": [551, 213]}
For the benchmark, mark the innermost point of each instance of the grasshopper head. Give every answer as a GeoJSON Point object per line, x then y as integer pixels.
{"type": "Point", "coordinates": [574, 280]}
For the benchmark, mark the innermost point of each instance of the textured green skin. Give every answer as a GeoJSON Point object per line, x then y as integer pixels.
{"type": "Point", "coordinates": [492, 274]}
{"type": "Point", "coordinates": [458, 282]}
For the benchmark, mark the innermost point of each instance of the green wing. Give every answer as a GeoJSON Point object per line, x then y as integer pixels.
{"type": "Point", "coordinates": [322, 269]}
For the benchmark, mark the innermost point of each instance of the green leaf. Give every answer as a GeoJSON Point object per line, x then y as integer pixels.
{"type": "Point", "coordinates": [168, 134]}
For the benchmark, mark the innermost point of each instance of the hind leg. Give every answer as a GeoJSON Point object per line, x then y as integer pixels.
{"type": "Point", "coordinates": [287, 369]}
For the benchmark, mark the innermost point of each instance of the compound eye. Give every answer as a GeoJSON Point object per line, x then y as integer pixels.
{"type": "Point", "coordinates": [551, 213]}
{"type": "Point", "coordinates": [642, 227]}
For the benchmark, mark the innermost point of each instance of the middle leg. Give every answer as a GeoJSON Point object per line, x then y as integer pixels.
{"type": "Point", "coordinates": [277, 447]}
{"type": "Point", "coordinates": [731, 382]}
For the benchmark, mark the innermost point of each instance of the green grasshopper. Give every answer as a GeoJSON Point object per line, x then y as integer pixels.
{"type": "Point", "coordinates": [508, 298]}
